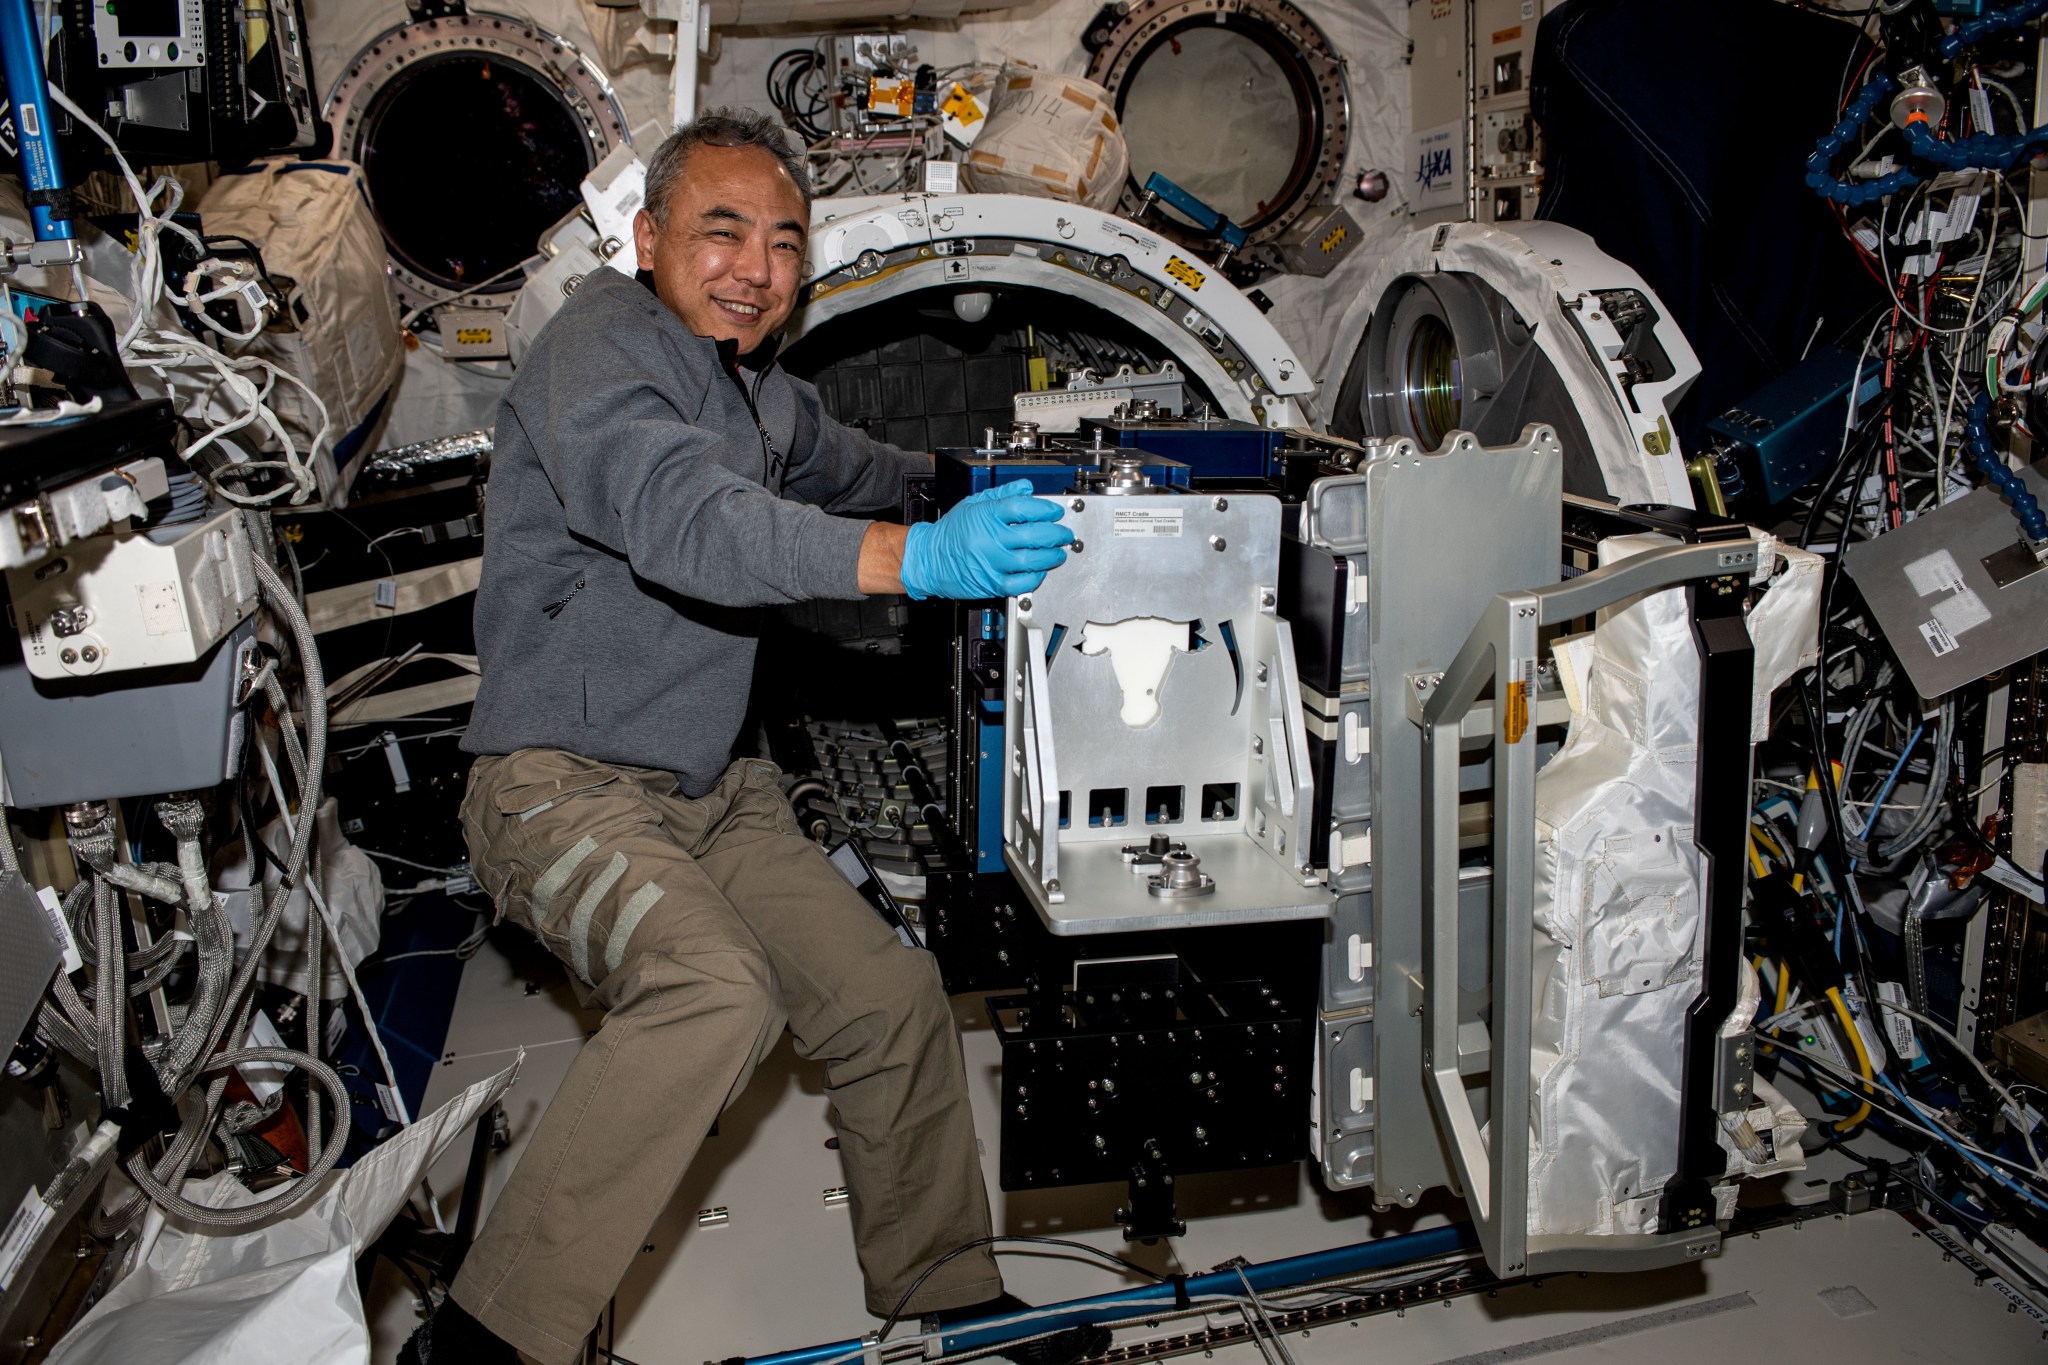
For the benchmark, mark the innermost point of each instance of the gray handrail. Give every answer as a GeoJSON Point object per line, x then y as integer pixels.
{"type": "Point", "coordinates": [1502, 649]}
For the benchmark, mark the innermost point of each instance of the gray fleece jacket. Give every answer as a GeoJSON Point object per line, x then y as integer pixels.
{"type": "Point", "coordinates": [638, 518]}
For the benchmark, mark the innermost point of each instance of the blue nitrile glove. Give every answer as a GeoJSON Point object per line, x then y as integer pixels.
{"type": "Point", "coordinates": [997, 543]}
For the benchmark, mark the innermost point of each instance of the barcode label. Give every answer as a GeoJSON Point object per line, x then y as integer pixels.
{"type": "Point", "coordinates": [1146, 521]}
{"type": "Point", "coordinates": [1938, 639]}
{"type": "Point", "coordinates": [47, 897]}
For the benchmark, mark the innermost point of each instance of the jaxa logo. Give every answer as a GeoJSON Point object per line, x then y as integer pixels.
{"type": "Point", "coordinates": [1185, 273]}
{"type": "Point", "coordinates": [1433, 166]}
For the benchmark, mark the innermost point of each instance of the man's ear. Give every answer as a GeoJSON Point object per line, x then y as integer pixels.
{"type": "Point", "coordinates": [645, 234]}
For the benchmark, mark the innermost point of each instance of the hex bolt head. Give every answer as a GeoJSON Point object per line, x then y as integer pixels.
{"type": "Point", "coordinates": [69, 656]}
{"type": "Point", "coordinates": [1077, 505]}
{"type": "Point", "coordinates": [1218, 543]}
{"type": "Point", "coordinates": [1222, 504]}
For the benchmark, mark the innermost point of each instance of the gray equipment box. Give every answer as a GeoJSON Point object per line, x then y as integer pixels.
{"type": "Point", "coordinates": [121, 734]}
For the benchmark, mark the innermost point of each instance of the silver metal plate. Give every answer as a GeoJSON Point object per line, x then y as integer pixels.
{"type": "Point", "coordinates": [1099, 895]}
{"type": "Point", "coordinates": [1446, 531]}
{"type": "Point", "coordinates": [1230, 720]}
{"type": "Point", "coordinates": [1944, 614]}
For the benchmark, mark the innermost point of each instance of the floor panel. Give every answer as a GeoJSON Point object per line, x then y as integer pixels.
{"type": "Point", "coordinates": [778, 1272]}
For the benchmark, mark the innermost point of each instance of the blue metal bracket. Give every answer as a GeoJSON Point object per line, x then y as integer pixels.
{"type": "Point", "coordinates": [1158, 187]}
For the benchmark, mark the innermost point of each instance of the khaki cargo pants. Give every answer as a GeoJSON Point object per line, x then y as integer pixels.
{"type": "Point", "coordinates": [702, 928]}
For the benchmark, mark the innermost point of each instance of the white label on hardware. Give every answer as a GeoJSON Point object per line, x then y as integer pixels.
{"type": "Point", "coordinates": [1898, 1025]}
{"type": "Point", "coordinates": [387, 592]}
{"type": "Point", "coordinates": [1962, 215]}
{"type": "Point", "coordinates": [1938, 639]}
{"type": "Point", "coordinates": [387, 1100]}
{"type": "Point", "coordinates": [265, 1078]}
{"type": "Point", "coordinates": [1146, 521]}
{"type": "Point", "coordinates": [1934, 573]}
{"type": "Point", "coordinates": [162, 612]}
{"type": "Point", "coordinates": [1865, 1025]}
{"type": "Point", "coordinates": [394, 756]}
{"type": "Point", "coordinates": [1980, 108]}
{"type": "Point", "coordinates": [2015, 882]}
{"type": "Point", "coordinates": [1962, 611]}
{"type": "Point", "coordinates": [1528, 9]}
{"type": "Point", "coordinates": [55, 909]}
{"type": "Point", "coordinates": [22, 1231]}
{"type": "Point", "coordinates": [941, 177]}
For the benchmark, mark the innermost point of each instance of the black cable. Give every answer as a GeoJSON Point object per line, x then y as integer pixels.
{"type": "Point", "coordinates": [1831, 804]}
{"type": "Point", "coordinates": [896, 1313]}
{"type": "Point", "coordinates": [784, 81]}
{"type": "Point", "coordinates": [419, 1286]}
{"type": "Point", "coordinates": [244, 808]}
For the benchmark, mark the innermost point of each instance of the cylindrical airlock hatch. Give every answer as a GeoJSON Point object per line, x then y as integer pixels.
{"type": "Point", "coordinates": [1471, 328]}
{"type": "Point", "coordinates": [474, 132]}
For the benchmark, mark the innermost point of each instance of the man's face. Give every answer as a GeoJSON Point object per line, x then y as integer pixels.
{"type": "Point", "coordinates": [731, 257]}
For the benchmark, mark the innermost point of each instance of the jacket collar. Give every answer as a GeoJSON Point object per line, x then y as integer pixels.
{"type": "Point", "coordinates": [758, 359]}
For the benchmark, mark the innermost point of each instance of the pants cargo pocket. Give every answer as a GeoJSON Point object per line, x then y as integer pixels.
{"type": "Point", "coordinates": [505, 824]}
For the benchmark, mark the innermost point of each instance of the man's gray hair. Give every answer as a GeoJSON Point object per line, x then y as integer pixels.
{"type": "Point", "coordinates": [719, 128]}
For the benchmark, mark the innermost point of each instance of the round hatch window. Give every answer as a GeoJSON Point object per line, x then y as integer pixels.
{"type": "Point", "coordinates": [1191, 86]}
{"type": "Point", "coordinates": [468, 160]}
{"type": "Point", "coordinates": [474, 132]}
{"type": "Point", "coordinates": [1239, 102]}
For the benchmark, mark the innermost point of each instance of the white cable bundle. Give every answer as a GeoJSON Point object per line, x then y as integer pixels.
{"type": "Point", "coordinates": [224, 393]}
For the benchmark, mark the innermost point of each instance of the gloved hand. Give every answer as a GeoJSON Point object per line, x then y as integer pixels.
{"type": "Point", "coordinates": [997, 543]}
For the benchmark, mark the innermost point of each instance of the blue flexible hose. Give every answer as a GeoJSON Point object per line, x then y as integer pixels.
{"type": "Point", "coordinates": [1982, 151]}
{"type": "Point", "coordinates": [1268, 1276]}
{"type": "Point", "coordinates": [2025, 506]}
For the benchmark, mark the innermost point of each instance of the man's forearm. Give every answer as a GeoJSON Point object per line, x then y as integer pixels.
{"type": "Point", "coordinates": [881, 558]}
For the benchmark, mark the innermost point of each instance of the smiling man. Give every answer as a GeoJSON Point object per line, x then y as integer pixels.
{"type": "Point", "coordinates": [657, 481]}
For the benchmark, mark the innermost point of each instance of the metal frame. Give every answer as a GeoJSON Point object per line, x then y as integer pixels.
{"type": "Point", "coordinates": [547, 56]}
{"type": "Point", "coordinates": [870, 251]}
{"type": "Point", "coordinates": [1243, 700]}
{"type": "Point", "coordinates": [1502, 650]}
